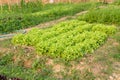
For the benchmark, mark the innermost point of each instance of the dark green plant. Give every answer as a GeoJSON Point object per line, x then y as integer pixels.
{"type": "Point", "coordinates": [108, 15]}
{"type": "Point", "coordinates": [22, 3]}
{"type": "Point", "coordinates": [30, 15]}
{"type": "Point", "coordinates": [117, 56]}
{"type": "Point", "coordinates": [6, 59]}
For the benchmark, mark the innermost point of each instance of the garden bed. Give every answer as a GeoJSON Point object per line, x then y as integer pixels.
{"type": "Point", "coordinates": [68, 40]}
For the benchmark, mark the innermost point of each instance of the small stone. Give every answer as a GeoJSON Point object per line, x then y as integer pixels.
{"type": "Point", "coordinates": [81, 62]}
{"type": "Point", "coordinates": [111, 78]}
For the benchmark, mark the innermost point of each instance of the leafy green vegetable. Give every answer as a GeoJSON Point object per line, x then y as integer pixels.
{"type": "Point", "coordinates": [67, 40]}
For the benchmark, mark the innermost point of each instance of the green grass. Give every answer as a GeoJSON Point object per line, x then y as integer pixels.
{"type": "Point", "coordinates": [117, 54]}
{"type": "Point", "coordinates": [6, 43]}
{"type": "Point", "coordinates": [26, 74]}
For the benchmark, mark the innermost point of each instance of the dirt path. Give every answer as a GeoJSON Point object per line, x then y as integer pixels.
{"type": "Point", "coordinates": [3, 50]}
{"type": "Point", "coordinates": [44, 25]}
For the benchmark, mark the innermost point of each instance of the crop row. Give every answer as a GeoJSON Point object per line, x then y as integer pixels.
{"type": "Point", "coordinates": [72, 46]}
{"type": "Point", "coordinates": [12, 21]}
{"type": "Point", "coordinates": [68, 40]}
{"type": "Point", "coordinates": [107, 15]}
{"type": "Point", "coordinates": [36, 35]}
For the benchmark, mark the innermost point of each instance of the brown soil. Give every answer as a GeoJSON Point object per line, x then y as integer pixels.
{"type": "Point", "coordinates": [49, 62]}
{"type": "Point", "coordinates": [58, 68]}
{"type": "Point", "coordinates": [28, 63]}
{"type": "Point", "coordinates": [3, 50]}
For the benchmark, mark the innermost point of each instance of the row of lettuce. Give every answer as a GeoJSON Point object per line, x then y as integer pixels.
{"type": "Point", "coordinates": [67, 40]}
{"type": "Point", "coordinates": [13, 20]}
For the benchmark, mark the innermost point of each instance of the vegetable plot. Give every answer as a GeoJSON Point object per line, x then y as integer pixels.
{"type": "Point", "coordinates": [67, 40]}
{"type": "Point", "coordinates": [12, 21]}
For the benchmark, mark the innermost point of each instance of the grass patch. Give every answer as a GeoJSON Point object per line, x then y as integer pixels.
{"type": "Point", "coordinates": [117, 56]}
{"type": "Point", "coordinates": [6, 43]}
{"type": "Point", "coordinates": [77, 75]}
{"type": "Point", "coordinates": [23, 73]}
